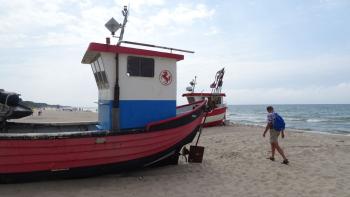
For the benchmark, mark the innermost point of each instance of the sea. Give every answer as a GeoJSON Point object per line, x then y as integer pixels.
{"type": "Point", "coordinates": [321, 118]}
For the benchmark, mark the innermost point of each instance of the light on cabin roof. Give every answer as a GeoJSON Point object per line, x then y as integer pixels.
{"type": "Point", "coordinates": [112, 25]}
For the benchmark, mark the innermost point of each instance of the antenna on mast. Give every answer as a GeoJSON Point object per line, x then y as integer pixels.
{"type": "Point", "coordinates": [113, 26]}
{"type": "Point", "coordinates": [193, 85]}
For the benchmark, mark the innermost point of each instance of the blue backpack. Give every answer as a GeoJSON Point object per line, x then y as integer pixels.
{"type": "Point", "coordinates": [278, 123]}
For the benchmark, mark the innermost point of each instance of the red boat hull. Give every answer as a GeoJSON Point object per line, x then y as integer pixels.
{"type": "Point", "coordinates": [112, 151]}
{"type": "Point", "coordinates": [216, 117]}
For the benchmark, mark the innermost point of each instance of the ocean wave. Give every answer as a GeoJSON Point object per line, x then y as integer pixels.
{"type": "Point", "coordinates": [294, 119]}
{"type": "Point", "coordinates": [247, 123]}
{"type": "Point", "coordinates": [252, 120]}
{"type": "Point", "coordinates": [316, 120]}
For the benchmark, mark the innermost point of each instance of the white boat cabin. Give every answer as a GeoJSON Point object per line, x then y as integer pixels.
{"type": "Point", "coordinates": [213, 99]}
{"type": "Point", "coordinates": [135, 86]}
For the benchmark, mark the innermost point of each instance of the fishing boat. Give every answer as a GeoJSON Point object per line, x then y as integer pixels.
{"type": "Point", "coordinates": [138, 126]}
{"type": "Point", "coordinates": [11, 108]}
{"type": "Point", "coordinates": [215, 100]}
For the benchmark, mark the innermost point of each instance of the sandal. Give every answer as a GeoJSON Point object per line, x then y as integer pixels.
{"type": "Point", "coordinates": [271, 158]}
{"type": "Point", "coordinates": [285, 162]}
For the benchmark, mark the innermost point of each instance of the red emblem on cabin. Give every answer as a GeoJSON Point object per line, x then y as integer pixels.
{"type": "Point", "coordinates": [165, 77]}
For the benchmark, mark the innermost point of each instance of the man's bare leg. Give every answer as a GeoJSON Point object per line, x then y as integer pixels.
{"type": "Point", "coordinates": [279, 149]}
{"type": "Point", "coordinates": [273, 149]}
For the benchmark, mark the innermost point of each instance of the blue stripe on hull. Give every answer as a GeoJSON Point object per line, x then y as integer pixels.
{"type": "Point", "coordinates": [138, 113]}
{"type": "Point", "coordinates": [135, 113]}
{"type": "Point", "coordinates": [105, 114]}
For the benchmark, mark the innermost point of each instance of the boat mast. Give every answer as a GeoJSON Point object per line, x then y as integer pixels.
{"type": "Point", "coordinates": [112, 25]}
{"type": "Point", "coordinates": [125, 13]}
{"type": "Point", "coordinates": [217, 84]}
{"type": "Point", "coordinates": [193, 83]}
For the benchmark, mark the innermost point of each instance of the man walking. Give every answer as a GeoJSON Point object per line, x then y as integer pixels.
{"type": "Point", "coordinates": [273, 124]}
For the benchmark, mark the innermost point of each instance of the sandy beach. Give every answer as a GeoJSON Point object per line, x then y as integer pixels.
{"type": "Point", "coordinates": [234, 164]}
{"type": "Point", "coordinates": [58, 116]}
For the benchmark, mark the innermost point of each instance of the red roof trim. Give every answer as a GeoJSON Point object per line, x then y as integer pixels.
{"type": "Point", "coordinates": [204, 94]}
{"type": "Point", "coordinates": [97, 47]}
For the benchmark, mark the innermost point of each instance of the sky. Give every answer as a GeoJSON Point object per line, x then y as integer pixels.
{"type": "Point", "coordinates": [274, 52]}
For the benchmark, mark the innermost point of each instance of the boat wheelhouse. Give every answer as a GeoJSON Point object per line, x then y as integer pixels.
{"type": "Point", "coordinates": [148, 81]}
{"type": "Point", "coordinates": [139, 124]}
{"type": "Point", "coordinates": [215, 100]}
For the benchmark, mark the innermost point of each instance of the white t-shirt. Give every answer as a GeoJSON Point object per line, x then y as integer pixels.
{"type": "Point", "coordinates": [270, 117]}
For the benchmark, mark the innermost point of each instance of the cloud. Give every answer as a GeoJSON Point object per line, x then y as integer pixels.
{"type": "Point", "coordinates": [213, 30]}
{"type": "Point", "coordinates": [40, 23]}
{"type": "Point", "coordinates": [162, 23]}
{"type": "Point", "coordinates": [24, 16]}
{"type": "Point", "coordinates": [51, 23]}
{"type": "Point", "coordinates": [43, 42]}
{"type": "Point", "coordinates": [183, 14]}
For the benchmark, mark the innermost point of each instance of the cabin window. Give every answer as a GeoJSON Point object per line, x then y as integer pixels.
{"type": "Point", "coordinates": [140, 66]}
{"type": "Point", "coordinates": [95, 75]}
{"type": "Point", "coordinates": [100, 73]}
